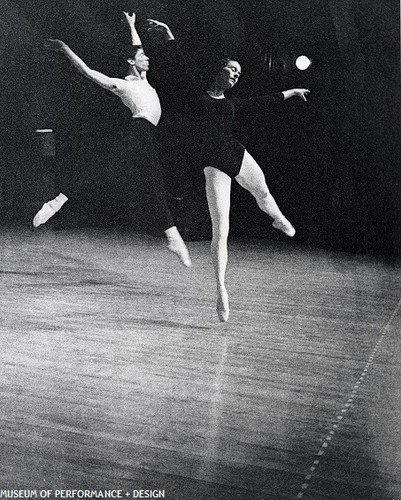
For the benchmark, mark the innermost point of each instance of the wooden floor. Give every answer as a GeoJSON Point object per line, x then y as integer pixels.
{"type": "Point", "coordinates": [116, 374]}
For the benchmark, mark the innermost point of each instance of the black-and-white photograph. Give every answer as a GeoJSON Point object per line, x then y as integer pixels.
{"type": "Point", "coordinates": [200, 244]}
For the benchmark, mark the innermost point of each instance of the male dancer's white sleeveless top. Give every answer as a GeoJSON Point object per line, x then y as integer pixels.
{"type": "Point", "coordinates": [140, 97]}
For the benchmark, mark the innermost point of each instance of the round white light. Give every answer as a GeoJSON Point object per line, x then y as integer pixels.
{"type": "Point", "coordinates": [303, 63]}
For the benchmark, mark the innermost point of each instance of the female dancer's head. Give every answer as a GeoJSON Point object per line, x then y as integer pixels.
{"type": "Point", "coordinates": [224, 74]}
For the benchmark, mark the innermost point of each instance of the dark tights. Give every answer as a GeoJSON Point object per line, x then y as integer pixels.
{"type": "Point", "coordinates": [131, 179]}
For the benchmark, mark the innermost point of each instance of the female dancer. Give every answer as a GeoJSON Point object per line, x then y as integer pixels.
{"type": "Point", "coordinates": [223, 158]}
{"type": "Point", "coordinates": [137, 146]}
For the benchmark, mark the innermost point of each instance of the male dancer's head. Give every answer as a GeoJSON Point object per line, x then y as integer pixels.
{"type": "Point", "coordinates": [138, 61]}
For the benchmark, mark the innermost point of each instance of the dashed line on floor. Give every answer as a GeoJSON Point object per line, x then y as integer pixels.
{"type": "Point", "coordinates": [346, 407]}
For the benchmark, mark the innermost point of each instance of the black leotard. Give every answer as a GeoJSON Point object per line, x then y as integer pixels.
{"type": "Point", "coordinates": [215, 144]}
{"type": "Point", "coordinates": [210, 131]}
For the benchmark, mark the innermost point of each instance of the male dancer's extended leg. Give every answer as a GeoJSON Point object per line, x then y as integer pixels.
{"type": "Point", "coordinates": [138, 171]}
{"type": "Point", "coordinates": [49, 209]}
{"type": "Point", "coordinates": [77, 183]}
{"type": "Point", "coordinates": [132, 166]}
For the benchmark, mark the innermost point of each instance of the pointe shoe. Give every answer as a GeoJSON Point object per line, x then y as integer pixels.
{"type": "Point", "coordinates": [222, 308]}
{"type": "Point", "coordinates": [285, 226]}
{"type": "Point", "coordinates": [180, 249]}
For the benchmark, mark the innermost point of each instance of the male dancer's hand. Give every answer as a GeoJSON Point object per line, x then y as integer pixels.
{"type": "Point", "coordinates": [131, 19]}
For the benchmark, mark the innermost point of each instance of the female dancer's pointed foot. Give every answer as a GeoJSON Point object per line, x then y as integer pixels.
{"type": "Point", "coordinates": [223, 309]}
{"type": "Point", "coordinates": [285, 226]}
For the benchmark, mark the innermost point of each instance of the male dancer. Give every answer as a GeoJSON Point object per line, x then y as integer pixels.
{"type": "Point", "coordinates": [137, 145]}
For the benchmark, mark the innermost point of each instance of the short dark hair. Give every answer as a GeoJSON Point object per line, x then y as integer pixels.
{"type": "Point", "coordinates": [130, 51]}
{"type": "Point", "coordinates": [214, 69]}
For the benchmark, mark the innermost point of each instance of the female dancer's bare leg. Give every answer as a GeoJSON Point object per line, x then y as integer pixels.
{"type": "Point", "coordinates": [218, 192]}
{"type": "Point", "coordinates": [251, 177]}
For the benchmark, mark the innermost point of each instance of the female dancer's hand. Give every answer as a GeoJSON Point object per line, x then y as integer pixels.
{"type": "Point", "coordinates": [162, 27]}
{"type": "Point", "coordinates": [302, 93]}
{"type": "Point", "coordinates": [55, 45]}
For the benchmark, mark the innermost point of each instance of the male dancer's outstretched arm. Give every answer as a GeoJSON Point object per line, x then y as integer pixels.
{"type": "Point", "coordinates": [93, 75]}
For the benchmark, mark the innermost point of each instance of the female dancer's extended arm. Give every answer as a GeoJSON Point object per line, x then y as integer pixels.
{"type": "Point", "coordinates": [302, 93]}
{"type": "Point", "coordinates": [180, 73]}
{"type": "Point", "coordinates": [162, 27]}
{"type": "Point", "coordinates": [95, 76]}
{"type": "Point", "coordinates": [266, 101]}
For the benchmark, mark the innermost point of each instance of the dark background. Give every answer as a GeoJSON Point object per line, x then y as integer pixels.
{"type": "Point", "coordinates": [332, 163]}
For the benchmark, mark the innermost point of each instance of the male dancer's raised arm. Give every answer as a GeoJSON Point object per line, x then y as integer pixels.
{"type": "Point", "coordinates": [131, 20]}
